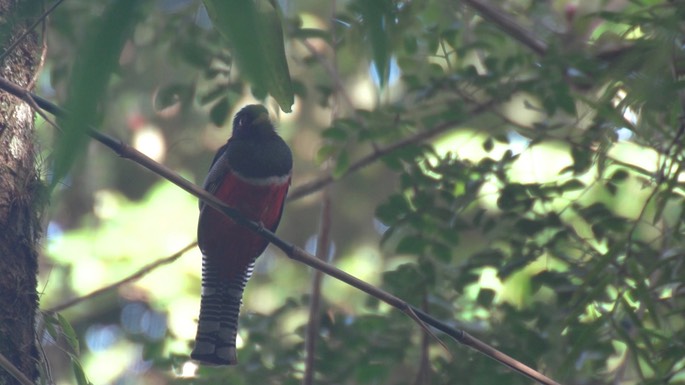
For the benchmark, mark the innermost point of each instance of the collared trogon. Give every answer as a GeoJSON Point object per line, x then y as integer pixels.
{"type": "Point", "coordinates": [251, 173]}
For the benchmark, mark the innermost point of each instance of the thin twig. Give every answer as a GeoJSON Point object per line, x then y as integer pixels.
{"type": "Point", "coordinates": [39, 111]}
{"type": "Point", "coordinates": [29, 29]}
{"type": "Point", "coordinates": [323, 243]}
{"type": "Point", "coordinates": [289, 249]}
{"type": "Point", "coordinates": [332, 73]}
{"type": "Point", "coordinates": [423, 373]}
{"type": "Point", "coordinates": [45, 371]}
{"type": "Point", "coordinates": [43, 55]}
{"type": "Point", "coordinates": [668, 162]}
{"type": "Point", "coordinates": [325, 180]}
{"type": "Point", "coordinates": [409, 311]}
{"type": "Point", "coordinates": [14, 371]}
{"type": "Point", "coordinates": [137, 275]}
{"type": "Point", "coordinates": [502, 20]}
{"type": "Point", "coordinates": [507, 24]}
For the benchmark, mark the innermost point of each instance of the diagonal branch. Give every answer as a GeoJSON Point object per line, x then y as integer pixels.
{"type": "Point", "coordinates": [289, 249]}
{"type": "Point", "coordinates": [14, 371]}
{"type": "Point", "coordinates": [526, 37]}
{"type": "Point", "coordinates": [137, 275]}
{"type": "Point", "coordinates": [323, 243]}
{"type": "Point", "coordinates": [30, 29]}
{"type": "Point", "coordinates": [325, 180]}
{"type": "Point", "coordinates": [508, 25]}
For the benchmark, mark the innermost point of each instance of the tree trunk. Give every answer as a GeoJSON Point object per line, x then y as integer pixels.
{"type": "Point", "coordinates": [20, 228]}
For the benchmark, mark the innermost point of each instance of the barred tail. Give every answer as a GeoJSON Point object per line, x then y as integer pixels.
{"type": "Point", "coordinates": [219, 308]}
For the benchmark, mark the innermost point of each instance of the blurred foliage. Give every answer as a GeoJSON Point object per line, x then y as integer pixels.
{"type": "Point", "coordinates": [89, 79]}
{"type": "Point", "coordinates": [536, 201]}
{"type": "Point", "coordinates": [243, 23]}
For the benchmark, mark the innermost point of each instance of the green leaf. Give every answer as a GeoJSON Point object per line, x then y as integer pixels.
{"type": "Point", "coordinates": [487, 257]}
{"type": "Point", "coordinates": [342, 164]}
{"type": "Point", "coordinates": [410, 44]}
{"type": "Point", "coordinates": [514, 197]}
{"type": "Point", "coordinates": [69, 333]}
{"type": "Point", "coordinates": [334, 133]}
{"type": "Point", "coordinates": [404, 281]}
{"type": "Point", "coordinates": [79, 373]}
{"type": "Point", "coordinates": [595, 212]}
{"type": "Point", "coordinates": [195, 54]}
{"type": "Point", "coordinates": [95, 62]}
{"type": "Point", "coordinates": [488, 144]}
{"type": "Point", "coordinates": [153, 351]}
{"type": "Point", "coordinates": [662, 199]}
{"type": "Point", "coordinates": [615, 224]}
{"type": "Point", "coordinates": [371, 372]}
{"type": "Point", "coordinates": [611, 188]}
{"type": "Point", "coordinates": [485, 297]}
{"type": "Point", "coordinates": [468, 278]}
{"type": "Point", "coordinates": [564, 99]}
{"type": "Point", "coordinates": [553, 279]}
{"type": "Point", "coordinates": [572, 185]}
{"type": "Point", "coordinates": [393, 210]}
{"type": "Point", "coordinates": [255, 35]}
{"type": "Point", "coordinates": [412, 244]}
{"type": "Point", "coordinates": [441, 251]}
{"type": "Point", "coordinates": [619, 176]}
{"type": "Point", "coordinates": [219, 112]}
{"type": "Point", "coordinates": [582, 160]}
{"type": "Point", "coordinates": [50, 323]}
{"type": "Point", "coordinates": [377, 16]}
{"type": "Point", "coordinates": [529, 227]}
{"type": "Point", "coordinates": [325, 152]}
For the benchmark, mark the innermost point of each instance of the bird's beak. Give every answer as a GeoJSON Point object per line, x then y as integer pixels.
{"type": "Point", "coordinates": [261, 119]}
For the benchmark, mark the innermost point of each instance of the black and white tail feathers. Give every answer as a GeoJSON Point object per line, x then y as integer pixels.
{"type": "Point", "coordinates": [219, 309]}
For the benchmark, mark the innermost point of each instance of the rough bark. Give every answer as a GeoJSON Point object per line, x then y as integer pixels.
{"type": "Point", "coordinates": [20, 228]}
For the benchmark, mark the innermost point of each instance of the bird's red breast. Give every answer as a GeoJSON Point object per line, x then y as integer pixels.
{"type": "Point", "coordinates": [233, 246]}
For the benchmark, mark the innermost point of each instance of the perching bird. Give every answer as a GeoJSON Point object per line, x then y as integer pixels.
{"type": "Point", "coordinates": [251, 173]}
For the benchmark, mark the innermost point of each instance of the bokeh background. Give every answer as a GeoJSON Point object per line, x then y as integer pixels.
{"type": "Point", "coordinates": [542, 214]}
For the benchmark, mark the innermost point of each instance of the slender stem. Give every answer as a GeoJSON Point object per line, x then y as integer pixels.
{"type": "Point", "coordinates": [323, 241]}
{"type": "Point", "coordinates": [325, 180]}
{"type": "Point", "coordinates": [14, 371]}
{"type": "Point", "coordinates": [137, 275]}
{"type": "Point", "coordinates": [29, 29]}
{"type": "Point", "coordinates": [502, 20]}
{"type": "Point", "coordinates": [322, 252]}
{"type": "Point", "coordinates": [424, 371]}
{"type": "Point", "coordinates": [457, 334]}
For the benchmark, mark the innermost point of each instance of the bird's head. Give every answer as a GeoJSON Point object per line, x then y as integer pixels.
{"type": "Point", "coordinates": [252, 121]}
